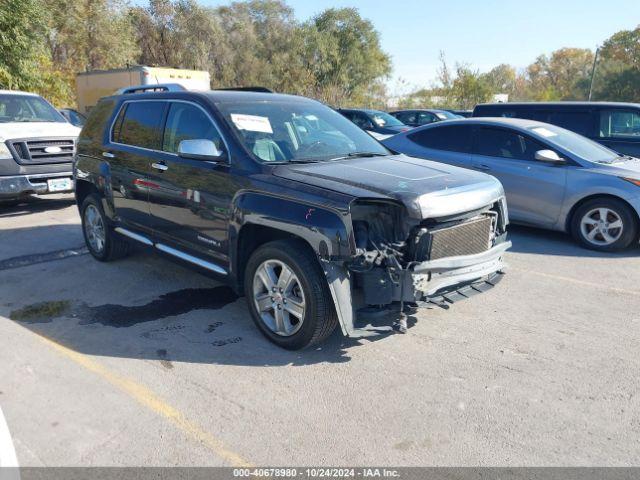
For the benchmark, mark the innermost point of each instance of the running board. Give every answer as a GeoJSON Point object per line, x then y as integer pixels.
{"type": "Point", "coordinates": [172, 251]}
{"type": "Point", "coordinates": [191, 259]}
{"type": "Point", "coordinates": [134, 236]}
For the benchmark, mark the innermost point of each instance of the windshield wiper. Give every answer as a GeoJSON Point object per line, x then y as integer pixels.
{"type": "Point", "coordinates": [360, 155]}
{"type": "Point", "coordinates": [294, 160]}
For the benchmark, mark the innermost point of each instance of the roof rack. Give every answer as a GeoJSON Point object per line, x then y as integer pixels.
{"type": "Point", "coordinates": [159, 87]}
{"type": "Point", "coordinates": [248, 89]}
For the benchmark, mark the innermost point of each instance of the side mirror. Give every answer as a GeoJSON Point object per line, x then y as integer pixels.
{"type": "Point", "coordinates": [199, 150]}
{"type": "Point", "coordinates": [549, 156]}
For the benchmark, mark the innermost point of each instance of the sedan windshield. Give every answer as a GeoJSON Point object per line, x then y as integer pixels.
{"type": "Point", "coordinates": [575, 143]}
{"type": "Point", "coordinates": [383, 119]}
{"type": "Point", "coordinates": [279, 131]}
{"type": "Point", "coordinates": [27, 108]}
{"type": "Point", "coordinates": [446, 115]}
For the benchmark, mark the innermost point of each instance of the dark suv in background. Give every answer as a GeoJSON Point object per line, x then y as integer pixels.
{"type": "Point", "coordinates": [615, 125]}
{"type": "Point", "coordinates": [289, 203]}
{"type": "Point", "coordinates": [419, 117]}
{"type": "Point", "coordinates": [375, 121]}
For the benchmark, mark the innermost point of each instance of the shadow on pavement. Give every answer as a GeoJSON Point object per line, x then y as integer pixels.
{"type": "Point", "coordinates": [146, 307]}
{"type": "Point", "coordinates": [28, 244]}
{"type": "Point", "coordinates": [167, 320]}
{"type": "Point", "coordinates": [546, 242]}
{"type": "Point", "coordinates": [35, 204]}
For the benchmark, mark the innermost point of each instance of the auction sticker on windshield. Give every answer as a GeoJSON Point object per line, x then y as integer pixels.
{"type": "Point", "coordinates": [252, 123]}
{"type": "Point", "coordinates": [59, 184]}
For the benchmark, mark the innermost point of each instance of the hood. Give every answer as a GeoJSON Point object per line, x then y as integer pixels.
{"type": "Point", "coordinates": [379, 136]}
{"type": "Point", "coordinates": [629, 168]}
{"type": "Point", "coordinates": [427, 189]}
{"type": "Point", "coordinates": [393, 129]}
{"type": "Point", "coordinates": [11, 130]}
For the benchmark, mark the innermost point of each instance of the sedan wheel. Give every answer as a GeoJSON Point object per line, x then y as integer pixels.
{"type": "Point", "coordinates": [605, 224]}
{"type": "Point", "coordinates": [602, 226]}
{"type": "Point", "coordinates": [279, 298]}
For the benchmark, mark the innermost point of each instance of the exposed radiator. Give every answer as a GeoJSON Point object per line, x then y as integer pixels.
{"type": "Point", "coordinates": [468, 238]}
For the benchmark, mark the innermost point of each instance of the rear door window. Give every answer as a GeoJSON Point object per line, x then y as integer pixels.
{"type": "Point", "coordinates": [502, 143]}
{"type": "Point", "coordinates": [622, 124]}
{"type": "Point", "coordinates": [141, 124]}
{"type": "Point", "coordinates": [579, 122]}
{"type": "Point", "coordinates": [453, 138]}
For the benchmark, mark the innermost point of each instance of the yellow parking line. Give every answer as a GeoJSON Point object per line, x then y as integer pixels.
{"type": "Point", "coordinates": [150, 400]}
{"type": "Point", "coordinates": [579, 282]}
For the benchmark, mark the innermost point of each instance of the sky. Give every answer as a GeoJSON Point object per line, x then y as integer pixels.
{"type": "Point", "coordinates": [481, 33]}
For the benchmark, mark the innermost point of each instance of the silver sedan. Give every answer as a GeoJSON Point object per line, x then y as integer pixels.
{"type": "Point", "coordinates": [553, 178]}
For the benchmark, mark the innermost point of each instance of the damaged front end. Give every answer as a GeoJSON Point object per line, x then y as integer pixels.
{"type": "Point", "coordinates": [402, 262]}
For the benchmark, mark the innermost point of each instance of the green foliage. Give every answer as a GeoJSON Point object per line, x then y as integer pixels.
{"type": "Point", "coordinates": [335, 56]}
{"type": "Point", "coordinates": [21, 43]}
{"type": "Point", "coordinates": [343, 54]}
{"type": "Point", "coordinates": [561, 76]}
{"type": "Point", "coordinates": [618, 74]}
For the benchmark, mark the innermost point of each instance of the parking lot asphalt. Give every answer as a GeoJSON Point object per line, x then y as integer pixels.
{"type": "Point", "coordinates": [143, 362]}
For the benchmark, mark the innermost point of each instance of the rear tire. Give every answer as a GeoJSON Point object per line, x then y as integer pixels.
{"type": "Point", "coordinates": [605, 225]}
{"type": "Point", "coordinates": [102, 241]}
{"type": "Point", "coordinates": [288, 295]}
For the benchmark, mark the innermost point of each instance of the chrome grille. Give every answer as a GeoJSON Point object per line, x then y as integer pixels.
{"type": "Point", "coordinates": [34, 151]}
{"type": "Point", "coordinates": [468, 238]}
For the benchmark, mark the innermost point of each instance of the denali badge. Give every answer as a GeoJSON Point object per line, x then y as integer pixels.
{"type": "Point", "coordinates": [52, 149]}
{"type": "Point", "coordinates": [209, 241]}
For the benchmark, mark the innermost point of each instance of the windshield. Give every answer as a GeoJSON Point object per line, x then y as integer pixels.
{"type": "Point", "coordinates": [575, 143]}
{"type": "Point", "coordinates": [297, 131]}
{"type": "Point", "coordinates": [383, 119]}
{"type": "Point", "coordinates": [446, 115]}
{"type": "Point", "coordinates": [27, 108]}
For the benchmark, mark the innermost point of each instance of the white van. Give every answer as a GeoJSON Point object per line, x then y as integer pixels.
{"type": "Point", "coordinates": [37, 146]}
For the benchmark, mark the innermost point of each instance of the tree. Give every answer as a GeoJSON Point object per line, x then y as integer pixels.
{"type": "Point", "coordinates": [561, 76]}
{"type": "Point", "coordinates": [469, 88]}
{"type": "Point", "coordinates": [343, 56]}
{"type": "Point", "coordinates": [502, 79]}
{"type": "Point", "coordinates": [624, 47]}
{"type": "Point", "coordinates": [90, 34]}
{"type": "Point", "coordinates": [21, 43]}
{"type": "Point", "coordinates": [617, 75]}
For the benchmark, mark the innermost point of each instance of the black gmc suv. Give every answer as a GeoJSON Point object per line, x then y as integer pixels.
{"type": "Point", "coordinates": [290, 203]}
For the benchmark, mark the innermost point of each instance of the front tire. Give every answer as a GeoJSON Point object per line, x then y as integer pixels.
{"type": "Point", "coordinates": [288, 295]}
{"type": "Point", "coordinates": [604, 224]}
{"type": "Point", "coordinates": [102, 241]}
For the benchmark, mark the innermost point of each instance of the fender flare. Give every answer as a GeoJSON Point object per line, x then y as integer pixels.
{"type": "Point", "coordinates": [326, 231]}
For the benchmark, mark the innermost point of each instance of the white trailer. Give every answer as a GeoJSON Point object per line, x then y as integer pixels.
{"type": "Point", "coordinates": [93, 85]}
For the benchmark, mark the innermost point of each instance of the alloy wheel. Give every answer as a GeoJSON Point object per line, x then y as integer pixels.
{"type": "Point", "coordinates": [94, 228]}
{"type": "Point", "coordinates": [601, 226]}
{"type": "Point", "coordinates": [278, 297]}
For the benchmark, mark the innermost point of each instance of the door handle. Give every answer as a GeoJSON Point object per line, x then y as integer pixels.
{"type": "Point", "coordinates": [482, 167]}
{"type": "Point", "coordinates": [108, 155]}
{"type": "Point", "coordinates": [159, 166]}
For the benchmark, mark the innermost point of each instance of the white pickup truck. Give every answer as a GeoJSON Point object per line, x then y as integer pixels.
{"type": "Point", "coordinates": [37, 146]}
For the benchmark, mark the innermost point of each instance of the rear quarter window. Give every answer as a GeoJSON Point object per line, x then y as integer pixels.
{"type": "Point", "coordinates": [620, 124]}
{"type": "Point", "coordinates": [453, 138]}
{"type": "Point", "coordinates": [93, 132]}
{"type": "Point", "coordinates": [141, 124]}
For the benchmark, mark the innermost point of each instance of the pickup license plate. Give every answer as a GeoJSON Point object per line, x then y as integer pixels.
{"type": "Point", "coordinates": [59, 184]}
